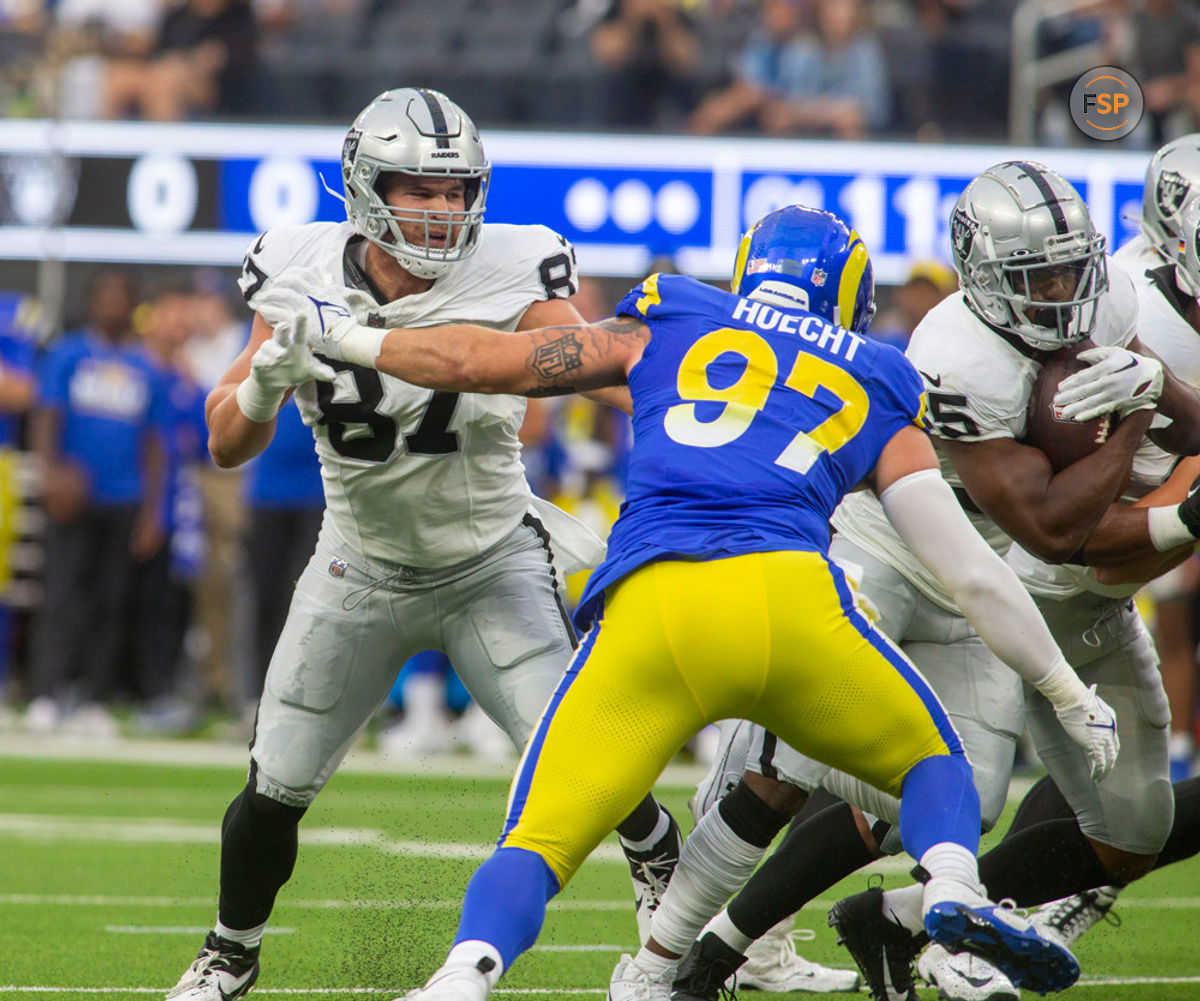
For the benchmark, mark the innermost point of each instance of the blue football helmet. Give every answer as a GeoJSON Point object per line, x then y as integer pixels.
{"type": "Point", "coordinates": [809, 259]}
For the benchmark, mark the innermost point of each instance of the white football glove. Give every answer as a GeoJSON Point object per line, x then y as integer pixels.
{"type": "Point", "coordinates": [1092, 724]}
{"type": "Point", "coordinates": [285, 360]}
{"type": "Point", "coordinates": [280, 363]}
{"type": "Point", "coordinates": [324, 313]}
{"type": "Point", "coordinates": [1115, 379]}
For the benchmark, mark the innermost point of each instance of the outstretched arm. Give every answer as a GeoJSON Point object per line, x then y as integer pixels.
{"type": "Point", "coordinates": [924, 511]}
{"type": "Point", "coordinates": [548, 361]}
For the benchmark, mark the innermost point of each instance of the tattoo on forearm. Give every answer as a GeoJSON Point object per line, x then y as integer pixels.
{"type": "Point", "coordinates": [557, 357]}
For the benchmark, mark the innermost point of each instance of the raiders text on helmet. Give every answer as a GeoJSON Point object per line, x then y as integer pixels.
{"type": "Point", "coordinates": [1028, 258]}
{"type": "Point", "coordinates": [1171, 179]}
{"type": "Point", "coordinates": [806, 258]}
{"type": "Point", "coordinates": [424, 134]}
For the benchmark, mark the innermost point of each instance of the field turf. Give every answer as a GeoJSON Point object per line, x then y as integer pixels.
{"type": "Point", "coordinates": [108, 884]}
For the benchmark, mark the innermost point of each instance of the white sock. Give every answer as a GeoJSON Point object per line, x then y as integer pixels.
{"type": "Point", "coordinates": [654, 837]}
{"type": "Point", "coordinates": [251, 938]}
{"type": "Point", "coordinates": [469, 953]}
{"type": "Point", "coordinates": [653, 964]}
{"type": "Point", "coordinates": [728, 932]}
{"type": "Point", "coordinates": [905, 907]}
{"type": "Point", "coordinates": [953, 875]}
{"type": "Point", "coordinates": [714, 864]}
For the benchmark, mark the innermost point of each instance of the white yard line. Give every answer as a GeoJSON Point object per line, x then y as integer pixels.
{"type": "Point", "coordinates": [557, 991]}
{"type": "Point", "coordinates": [210, 753]}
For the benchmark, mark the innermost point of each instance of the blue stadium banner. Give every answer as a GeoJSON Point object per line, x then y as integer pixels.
{"type": "Point", "coordinates": [199, 193]}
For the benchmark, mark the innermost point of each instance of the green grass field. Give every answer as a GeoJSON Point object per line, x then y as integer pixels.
{"type": "Point", "coordinates": [108, 883]}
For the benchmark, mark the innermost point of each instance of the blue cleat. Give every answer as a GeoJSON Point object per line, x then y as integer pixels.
{"type": "Point", "coordinates": [1007, 940]}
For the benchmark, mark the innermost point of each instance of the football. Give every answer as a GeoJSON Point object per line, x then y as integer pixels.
{"type": "Point", "coordinates": [1064, 441]}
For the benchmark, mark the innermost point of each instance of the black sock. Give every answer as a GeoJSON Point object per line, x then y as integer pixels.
{"type": "Point", "coordinates": [1043, 862]}
{"type": "Point", "coordinates": [813, 856]}
{"type": "Point", "coordinates": [258, 852]}
{"type": "Point", "coordinates": [749, 817]}
{"type": "Point", "coordinates": [640, 824]}
{"type": "Point", "coordinates": [1044, 801]}
{"type": "Point", "coordinates": [1184, 839]}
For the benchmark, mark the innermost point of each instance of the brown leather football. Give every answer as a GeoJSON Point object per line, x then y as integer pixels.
{"type": "Point", "coordinates": [1064, 441]}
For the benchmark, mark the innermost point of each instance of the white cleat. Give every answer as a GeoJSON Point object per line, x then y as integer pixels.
{"type": "Point", "coordinates": [772, 964]}
{"type": "Point", "coordinates": [629, 982]}
{"type": "Point", "coordinates": [963, 976]}
{"type": "Point", "coordinates": [457, 982]}
{"type": "Point", "coordinates": [223, 971]}
{"type": "Point", "coordinates": [1064, 921]}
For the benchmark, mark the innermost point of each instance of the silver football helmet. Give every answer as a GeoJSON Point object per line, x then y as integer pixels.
{"type": "Point", "coordinates": [1027, 255]}
{"type": "Point", "coordinates": [1171, 179]}
{"type": "Point", "coordinates": [421, 133]}
{"type": "Point", "coordinates": [1187, 248]}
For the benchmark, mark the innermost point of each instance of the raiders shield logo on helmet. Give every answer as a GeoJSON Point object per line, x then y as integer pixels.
{"type": "Point", "coordinates": [350, 151]}
{"type": "Point", "coordinates": [962, 233]}
{"type": "Point", "coordinates": [1171, 192]}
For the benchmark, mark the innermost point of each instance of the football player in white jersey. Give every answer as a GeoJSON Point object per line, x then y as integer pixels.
{"type": "Point", "coordinates": [1168, 324]}
{"type": "Point", "coordinates": [980, 353]}
{"type": "Point", "coordinates": [1172, 178]}
{"type": "Point", "coordinates": [1034, 278]}
{"type": "Point", "coordinates": [431, 537]}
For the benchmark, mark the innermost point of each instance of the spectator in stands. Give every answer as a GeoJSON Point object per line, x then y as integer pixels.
{"type": "Point", "coordinates": [649, 52]}
{"type": "Point", "coordinates": [839, 85]}
{"type": "Point", "coordinates": [86, 37]}
{"type": "Point", "coordinates": [98, 431]}
{"type": "Point", "coordinates": [161, 597]}
{"type": "Point", "coordinates": [284, 504]}
{"type": "Point", "coordinates": [1166, 61]}
{"type": "Point", "coordinates": [202, 64]}
{"type": "Point", "coordinates": [768, 69]}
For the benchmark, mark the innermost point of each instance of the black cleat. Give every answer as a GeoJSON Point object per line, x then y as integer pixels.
{"type": "Point", "coordinates": [883, 950]}
{"type": "Point", "coordinates": [651, 871]}
{"type": "Point", "coordinates": [705, 969]}
{"type": "Point", "coordinates": [223, 971]}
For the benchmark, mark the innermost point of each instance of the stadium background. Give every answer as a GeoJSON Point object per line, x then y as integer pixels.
{"type": "Point", "coordinates": [108, 836]}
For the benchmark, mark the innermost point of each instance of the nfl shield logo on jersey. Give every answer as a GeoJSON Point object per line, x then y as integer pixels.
{"type": "Point", "coordinates": [337, 567]}
{"type": "Point", "coordinates": [818, 277]}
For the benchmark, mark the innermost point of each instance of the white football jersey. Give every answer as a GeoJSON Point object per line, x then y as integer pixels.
{"type": "Point", "coordinates": [978, 381]}
{"type": "Point", "coordinates": [1163, 328]}
{"type": "Point", "coordinates": [412, 476]}
{"type": "Point", "coordinates": [1137, 254]}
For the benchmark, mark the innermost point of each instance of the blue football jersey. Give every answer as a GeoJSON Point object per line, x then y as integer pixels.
{"type": "Point", "coordinates": [750, 423]}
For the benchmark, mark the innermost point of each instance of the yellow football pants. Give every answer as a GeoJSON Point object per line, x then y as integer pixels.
{"type": "Point", "coordinates": [770, 637]}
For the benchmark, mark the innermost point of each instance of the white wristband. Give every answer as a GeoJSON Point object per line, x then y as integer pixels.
{"type": "Point", "coordinates": [1062, 686]}
{"type": "Point", "coordinates": [256, 402]}
{"type": "Point", "coordinates": [361, 345]}
{"type": "Point", "coordinates": [1167, 529]}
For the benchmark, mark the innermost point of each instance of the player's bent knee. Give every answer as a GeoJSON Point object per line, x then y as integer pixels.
{"type": "Point", "coordinates": [272, 810]}
{"type": "Point", "coordinates": [749, 817]}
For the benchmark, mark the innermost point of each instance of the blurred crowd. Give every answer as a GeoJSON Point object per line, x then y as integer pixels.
{"type": "Point", "coordinates": [923, 69]}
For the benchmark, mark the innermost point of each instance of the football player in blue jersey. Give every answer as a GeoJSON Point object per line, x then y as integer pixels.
{"type": "Point", "coordinates": [754, 413]}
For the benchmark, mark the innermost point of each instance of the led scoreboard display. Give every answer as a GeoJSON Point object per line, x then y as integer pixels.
{"type": "Point", "coordinates": [199, 193]}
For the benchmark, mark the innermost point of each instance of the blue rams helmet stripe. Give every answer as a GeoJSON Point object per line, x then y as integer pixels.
{"type": "Point", "coordinates": [809, 259]}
